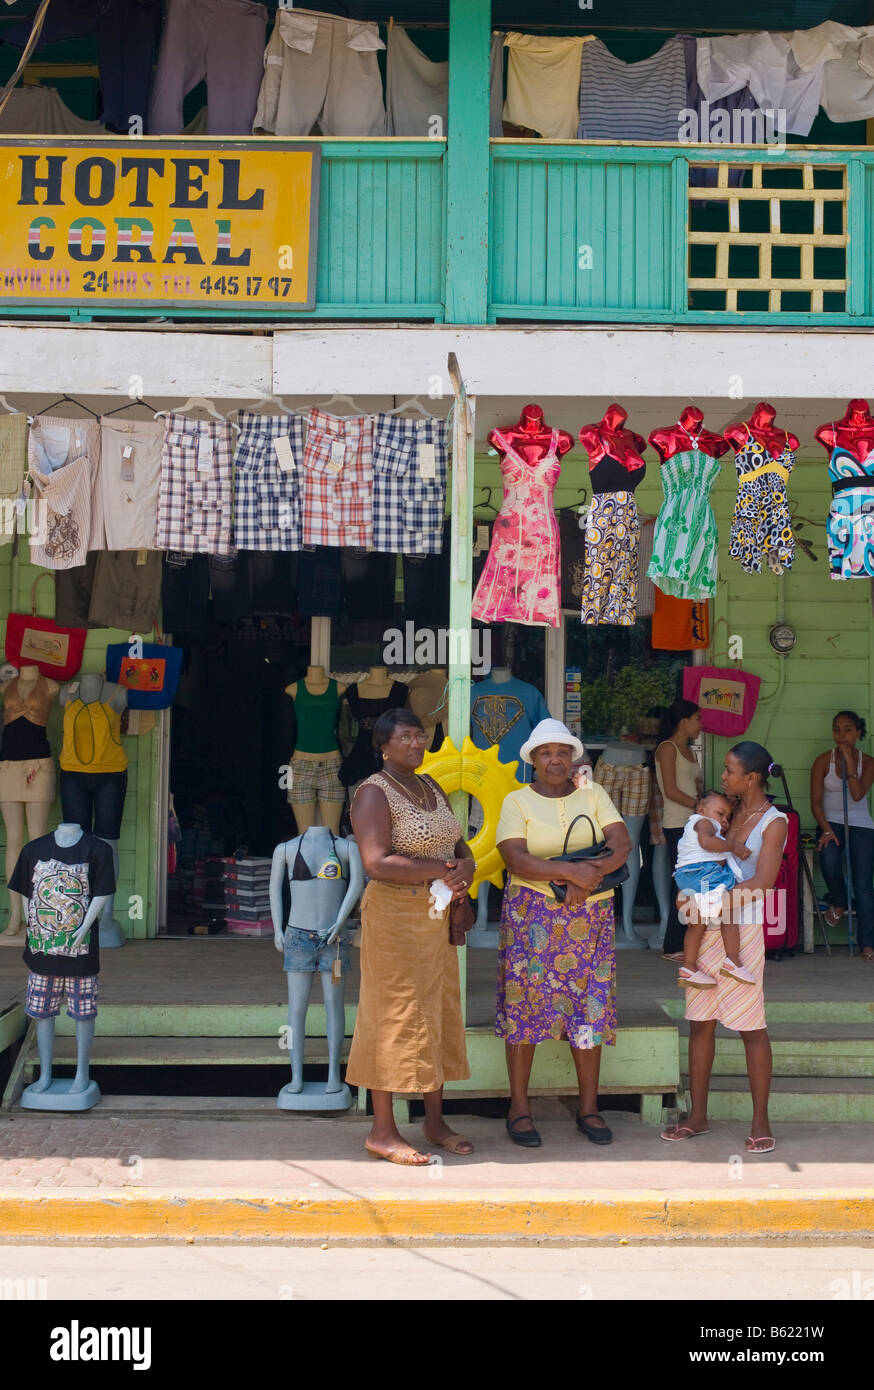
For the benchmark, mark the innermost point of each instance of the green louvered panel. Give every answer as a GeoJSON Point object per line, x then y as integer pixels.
{"type": "Point", "coordinates": [581, 231]}
{"type": "Point", "coordinates": [381, 220]}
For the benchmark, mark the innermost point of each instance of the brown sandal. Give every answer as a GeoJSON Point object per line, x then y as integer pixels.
{"type": "Point", "coordinates": [454, 1145]}
{"type": "Point", "coordinates": [411, 1159]}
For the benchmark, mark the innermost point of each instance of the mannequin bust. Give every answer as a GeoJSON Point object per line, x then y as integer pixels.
{"type": "Point", "coordinates": [531, 436]}
{"type": "Point", "coordinates": [316, 708]}
{"type": "Point", "coordinates": [326, 880]}
{"type": "Point", "coordinates": [429, 700]}
{"type": "Point", "coordinates": [58, 901]}
{"type": "Point", "coordinates": [376, 685]}
{"type": "Point", "coordinates": [28, 784]}
{"type": "Point", "coordinates": [102, 756]}
{"type": "Point", "coordinates": [761, 427]}
{"type": "Point", "coordinates": [608, 439]}
{"type": "Point", "coordinates": [854, 432]}
{"type": "Point", "coordinates": [688, 433]}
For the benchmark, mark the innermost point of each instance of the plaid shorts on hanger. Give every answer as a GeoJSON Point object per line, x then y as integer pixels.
{"type": "Point", "coordinates": [267, 482]}
{"type": "Point", "coordinates": [338, 480]}
{"type": "Point", "coordinates": [195, 502]}
{"type": "Point", "coordinates": [409, 488]}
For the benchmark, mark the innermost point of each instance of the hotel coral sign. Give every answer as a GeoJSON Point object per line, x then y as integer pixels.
{"type": "Point", "coordinates": [159, 223]}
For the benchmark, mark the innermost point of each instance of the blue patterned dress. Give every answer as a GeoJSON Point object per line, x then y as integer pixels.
{"type": "Point", "coordinates": [850, 528]}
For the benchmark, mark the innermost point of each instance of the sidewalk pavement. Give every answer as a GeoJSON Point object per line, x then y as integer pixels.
{"type": "Point", "coordinates": [103, 1176]}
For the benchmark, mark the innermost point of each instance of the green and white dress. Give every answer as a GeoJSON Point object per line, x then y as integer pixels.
{"type": "Point", "coordinates": [686, 540]}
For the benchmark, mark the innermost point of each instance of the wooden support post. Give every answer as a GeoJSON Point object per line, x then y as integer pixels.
{"type": "Point", "coordinates": [401, 1110]}
{"type": "Point", "coordinates": [460, 590]}
{"type": "Point", "coordinates": [467, 162]}
{"type": "Point", "coordinates": [651, 1110]}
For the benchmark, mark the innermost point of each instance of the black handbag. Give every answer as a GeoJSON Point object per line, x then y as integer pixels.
{"type": "Point", "coordinates": [597, 850]}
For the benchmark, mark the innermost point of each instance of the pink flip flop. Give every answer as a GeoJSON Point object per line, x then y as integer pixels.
{"type": "Point", "coordinates": [764, 1139]}
{"type": "Point", "coordinates": [681, 1132]}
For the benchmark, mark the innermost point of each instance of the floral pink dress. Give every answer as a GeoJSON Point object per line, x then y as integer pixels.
{"type": "Point", "coordinates": [520, 582]}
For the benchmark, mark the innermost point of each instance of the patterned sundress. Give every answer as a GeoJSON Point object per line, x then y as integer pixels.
{"type": "Point", "coordinates": [761, 528]}
{"type": "Point", "coordinates": [850, 528]}
{"type": "Point", "coordinates": [521, 579]}
{"type": "Point", "coordinates": [612, 547]}
{"type": "Point", "coordinates": [686, 541]}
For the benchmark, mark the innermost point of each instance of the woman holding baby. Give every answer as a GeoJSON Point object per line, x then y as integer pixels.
{"type": "Point", "coordinates": [757, 834]}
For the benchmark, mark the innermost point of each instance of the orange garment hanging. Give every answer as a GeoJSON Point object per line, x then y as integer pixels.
{"type": "Point", "coordinates": [680, 624]}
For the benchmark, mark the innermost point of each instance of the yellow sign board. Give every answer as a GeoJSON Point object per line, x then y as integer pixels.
{"type": "Point", "coordinates": [160, 223]}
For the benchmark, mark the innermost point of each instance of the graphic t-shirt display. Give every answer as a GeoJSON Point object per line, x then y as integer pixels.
{"type": "Point", "coordinates": [59, 883]}
{"type": "Point", "coordinates": [505, 712]}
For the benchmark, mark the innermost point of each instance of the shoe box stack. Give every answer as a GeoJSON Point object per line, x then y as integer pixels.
{"type": "Point", "coordinates": [247, 897]}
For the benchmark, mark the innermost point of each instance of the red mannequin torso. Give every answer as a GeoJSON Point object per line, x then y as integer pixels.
{"type": "Point", "coordinates": [761, 426]}
{"type": "Point", "coordinates": [608, 437]}
{"type": "Point", "coordinates": [688, 433]}
{"type": "Point", "coordinates": [530, 437]}
{"type": "Point", "coordinates": [854, 432]}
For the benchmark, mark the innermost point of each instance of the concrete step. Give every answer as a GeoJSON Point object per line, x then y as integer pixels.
{"type": "Point", "coordinates": [835, 1100]}
{"type": "Point", "coordinates": [800, 1049]}
{"type": "Point", "coordinates": [795, 1010]}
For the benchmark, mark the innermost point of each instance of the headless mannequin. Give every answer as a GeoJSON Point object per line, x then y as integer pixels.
{"type": "Point", "coordinates": [80, 1093]}
{"type": "Point", "coordinates": [608, 438]}
{"type": "Point", "coordinates": [15, 813]}
{"type": "Point", "coordinates": [854, 432]}
{"type": "Point", "coordinates": [761, 426]}
{"type": "Point", "coordinates": [622, 754]}
{"type": "Point", "coordinates": [319, 905]}
{"type": "Point", "coordinates": [376, 685]}
{"type": "Point", "coordinates": [429, 700]}
{"type": "Point", "coordinates": [531, 437]}
{"type": "Point", "coordinates": [500, 675]}
{"type": "Point", "coordinates": [97, 690]}
{"type": "Point", "coordinates": [316, 681]}
{"type": "Point", "coordinates": [688, 433]}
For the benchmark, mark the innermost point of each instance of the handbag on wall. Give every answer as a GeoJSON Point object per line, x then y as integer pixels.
{"type": "Point", "coordinates": [148, 671]}
{"type": "Point", "coordinates": [35, 641]}
{"type": "Point", "coordinates": [599, 849]}
{"type": "Point", "coordinates": [727, 698]}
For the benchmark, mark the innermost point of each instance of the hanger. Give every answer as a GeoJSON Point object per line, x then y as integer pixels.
{"type": "Point", "coordinates": [343, 400]}
{"type": "Point", "coordinates": [583, 494]}
{"type": "Point", "coordinates": [267, 400]}
{"type": "Point", "coordinates": [488, 504]}
{"type": "Point", "coordinates": [60, 401]}
{"type": "Point", "coordinates": [194, 403]}
{"type": "Point", "coordinates": [10, 408]}
{"type": "Point", "coordinates": [412, 404]}
{"type": "Point", "coordinates": [137, 400]}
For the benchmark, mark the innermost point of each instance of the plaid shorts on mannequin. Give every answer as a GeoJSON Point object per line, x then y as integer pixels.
{"type": "Point", "coordinates": [314, 780]}
{"type": "Point", "coordinates": [195, 501]}
{"type": "Point", "coordinates": [408, 503]}
{"type": "Point", "coordinates": [45, 992]}
{"type": "Point", "coordinates": [267, 483]}
{"type": "Point", "coordinates": [338, 480]}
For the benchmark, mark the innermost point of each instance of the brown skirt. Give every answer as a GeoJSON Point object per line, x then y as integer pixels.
{"type": "Point", "coordinates": [409, 1031]}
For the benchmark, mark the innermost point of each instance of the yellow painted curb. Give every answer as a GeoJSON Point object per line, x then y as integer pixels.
{"type": "Point", "coordinates": [593, 1215]}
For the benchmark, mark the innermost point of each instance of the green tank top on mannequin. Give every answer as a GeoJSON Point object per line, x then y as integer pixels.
{"type": "Point", "coordinates": [316, 719]}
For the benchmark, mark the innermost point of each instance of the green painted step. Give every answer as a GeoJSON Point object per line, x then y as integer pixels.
{"type": "Point", "coordinates": [798, 1010]}
{"type": "Point", "coordinates": [190, 1052]}
{"type": "Point", "coordinates": [800, 1049]}
{"type": "Point", "coordinates": [838, 1100]}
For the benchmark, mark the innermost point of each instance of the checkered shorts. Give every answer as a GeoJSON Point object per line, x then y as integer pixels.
{"type": "Point", "coordinates": [408, 510]}
{"type": "Point", "coordinates": [315, 781]}
{"type": "Point", "coordinates": [338, 492]}
{"type": "Point", "coordinates": [195, 502]}
{"type": "Point", "coordinates": [266, 497]}
{"type": "Point", "coordinates": [45, 992]}
{"type": "Point", "coordinates": [628, 788]}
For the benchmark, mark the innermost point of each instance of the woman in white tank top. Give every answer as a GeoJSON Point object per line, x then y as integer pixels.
{"type": "Point", "coordinates": [827, 803]}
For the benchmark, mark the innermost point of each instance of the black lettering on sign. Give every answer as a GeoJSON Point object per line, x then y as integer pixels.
{"type": "Point", "coordinates": [142, 168]}
{"type": "Point", "coordinates": [84, 178]}
{"type": "Point", "coordinates": [51, 182]}
{"type": "Point", "coordinates": [189, 180]}
{"type": "Point", "coordinates": [231, 197]}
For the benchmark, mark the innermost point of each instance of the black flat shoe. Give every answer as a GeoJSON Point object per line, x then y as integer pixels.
{"type": "Point", "coordinates": [525, 1138]}
{"type": "Point", "coordinates": [594, 1135]}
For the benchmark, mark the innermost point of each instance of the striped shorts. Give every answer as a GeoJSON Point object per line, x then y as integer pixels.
{"type": "Point", "coordinates": [315, 781]}
{"type": "Point", "coordinates": [45, 992]}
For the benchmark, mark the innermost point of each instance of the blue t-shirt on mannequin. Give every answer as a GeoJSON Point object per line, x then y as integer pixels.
{"type": "Point", "coordinates": [504, 712]}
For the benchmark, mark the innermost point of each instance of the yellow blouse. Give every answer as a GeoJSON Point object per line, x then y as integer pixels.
{"type": "Point", "coordinates": [543, 821]}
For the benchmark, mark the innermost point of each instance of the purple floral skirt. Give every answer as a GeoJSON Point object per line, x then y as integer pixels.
{"type": "Point", "coordinates": [556, 970]}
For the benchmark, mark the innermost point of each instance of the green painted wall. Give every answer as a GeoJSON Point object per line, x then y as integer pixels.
{"type": "Point", "coordinates": [137, 847]}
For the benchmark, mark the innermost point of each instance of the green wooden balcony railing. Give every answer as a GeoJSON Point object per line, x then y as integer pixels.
{"type": "Point", "coordinates": [625, 233]}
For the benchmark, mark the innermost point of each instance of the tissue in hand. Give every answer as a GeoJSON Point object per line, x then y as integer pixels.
{"type": "Point", "coordinates": [441, 897]}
